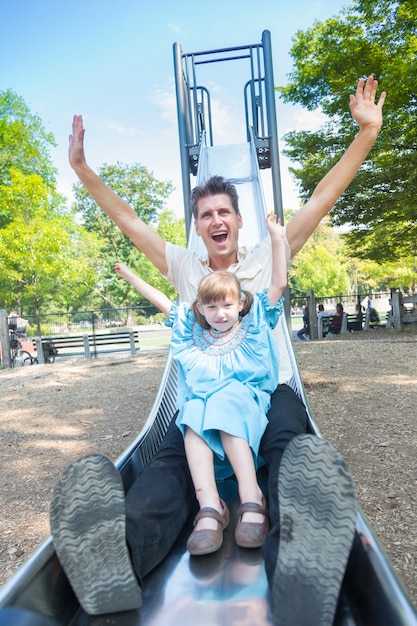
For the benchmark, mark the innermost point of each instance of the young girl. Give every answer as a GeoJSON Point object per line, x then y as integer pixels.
{"type": "Point", "coordinates": [227, 369]}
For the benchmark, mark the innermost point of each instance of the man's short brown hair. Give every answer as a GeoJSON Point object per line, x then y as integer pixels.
{"type": "Point", "coordinates": [214, 186]}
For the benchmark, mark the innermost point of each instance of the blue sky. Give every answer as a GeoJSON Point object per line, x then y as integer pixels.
{"type": "Point", "coordinates": [112, 62]}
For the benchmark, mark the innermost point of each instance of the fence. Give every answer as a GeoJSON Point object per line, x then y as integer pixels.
{"type": "Point", "coordinates": [396, 310]}
{"type": "Point", "coordinates": [95, 333]}
{"type": "Point", "coordinates": [84, 334]}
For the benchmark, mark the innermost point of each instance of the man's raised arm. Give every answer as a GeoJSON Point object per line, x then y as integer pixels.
{"type": "Point", "coordinates": [368, 114]}
{"type": "Point", "coordinates": [142, 235]}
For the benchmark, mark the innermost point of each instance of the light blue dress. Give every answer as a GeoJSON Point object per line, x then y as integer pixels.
{"type": "Point", "coordinates": [225, 382]}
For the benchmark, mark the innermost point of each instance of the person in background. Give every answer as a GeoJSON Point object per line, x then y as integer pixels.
{"type": "Point", "coordinates": [323, 319]}
{"type": "Point", "coordinates": [337, 319]}
{"type": "Point", "coordinates": [13, 321]}
{"type": "Point", "coordinates": [305, 330]}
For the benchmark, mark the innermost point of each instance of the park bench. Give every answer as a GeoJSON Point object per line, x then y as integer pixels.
{"type": "Point", "coordinates": [88, 345]}
{"type": "Point", "coordinates": [375, 321]}
{"type": "Point", "coordinates": [324, 323]}
{"type": "Point", "coordinates": [350, 323]}
{"type": "Point", "coordinates": [354, 323]}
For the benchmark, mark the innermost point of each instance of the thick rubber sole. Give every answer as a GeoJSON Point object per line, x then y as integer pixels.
{"type": "Point", "coordinates": [88, 527]}
{"type": "Point", "coordinates": [317, 516]}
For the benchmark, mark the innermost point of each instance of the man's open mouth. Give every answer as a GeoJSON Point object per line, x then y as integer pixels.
{"type": "Point", "coordinates": [220, 237]}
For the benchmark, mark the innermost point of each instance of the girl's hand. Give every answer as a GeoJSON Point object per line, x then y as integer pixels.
{"type": "Point", "coordinates": [122, 270]}
{"type": "Point", "coordinates": [273, 224]}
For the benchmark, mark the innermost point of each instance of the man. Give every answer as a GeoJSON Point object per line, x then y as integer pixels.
{"type": "Point", "coordinates": [159, 502]}
{"type": "Point", "coordinates": [323, 320]}
{"type": "Point", "coordinates": [305, 330]}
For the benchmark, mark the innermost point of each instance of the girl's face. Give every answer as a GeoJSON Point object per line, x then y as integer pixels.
{"type": "Point", "coordinates": [222, 314]}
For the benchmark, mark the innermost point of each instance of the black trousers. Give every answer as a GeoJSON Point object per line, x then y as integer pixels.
{"type": "Point", "coordinates": [162, 497]}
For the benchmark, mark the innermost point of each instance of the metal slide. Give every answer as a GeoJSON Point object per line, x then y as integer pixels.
{"type": "Point", "coordinates": [228, 587]}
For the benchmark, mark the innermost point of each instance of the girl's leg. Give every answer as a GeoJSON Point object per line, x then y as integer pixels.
{"type": "Point", "coordinates": [241, 459]}
{"type": "Point", "coordinates": [201, 465]}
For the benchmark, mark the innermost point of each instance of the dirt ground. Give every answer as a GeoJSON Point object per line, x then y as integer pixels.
{"type": "Point", "coordinates": [361, 391]}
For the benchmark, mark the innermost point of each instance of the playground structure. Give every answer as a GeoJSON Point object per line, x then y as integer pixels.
{"type": "Point", "coordinates": [219, 587]}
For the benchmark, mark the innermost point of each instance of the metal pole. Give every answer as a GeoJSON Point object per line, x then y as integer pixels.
{"type": "Point", "coordinates": [271, 117]}
{"type": "Point", "coordinates": [183, 134]}
{"type": "Point", "coordinates": [5, 339]}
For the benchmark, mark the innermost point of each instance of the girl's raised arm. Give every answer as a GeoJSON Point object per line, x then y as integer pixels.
{"type": "Point", "coordinates": [279, 261]}
{"type": "Point", "coordinates": [151, 293]}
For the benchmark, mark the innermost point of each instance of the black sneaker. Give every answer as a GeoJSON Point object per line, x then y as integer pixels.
{"type": "Point", "coordinates": [317, 518]}
{"type": "Point", "coordinates": [88, 527]}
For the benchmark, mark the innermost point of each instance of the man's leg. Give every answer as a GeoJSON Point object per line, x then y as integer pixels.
{"type": "Point", "coordinates": [91, 521]}
{"type": "Point", "coordinates": [313, 511]}
{"type": "Point", "coordinates": [88, 527]}
{"type": "Point", "coordinates": [287, 419]}
{"type": "Point", "coordinates": [158, 504]}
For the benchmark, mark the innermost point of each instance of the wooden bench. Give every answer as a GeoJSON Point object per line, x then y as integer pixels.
{"type": "Point", "coordinates": [354, 323]}
{"type": "Point", "coordinates": [372, 321]}
{"type": "Point", "coordinates": [88, 345]}
{"type": "Point", "coordinates": [324, 323]}
{"type": "Point", "coordinates": [350, 323]}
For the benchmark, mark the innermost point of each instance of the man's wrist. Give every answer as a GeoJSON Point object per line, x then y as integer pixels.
{"type": "Point", "coordinates": [81, 168]}
{"type": "Point", "coordinates": [370, 131]}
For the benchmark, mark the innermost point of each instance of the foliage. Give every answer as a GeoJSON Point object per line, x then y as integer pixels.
{"type": "Point", "coordinates": [326, 265]}
{"type": "Point", "coordinates": [146, 195]}
{"type": "Point", "coordinates": [172, 230]}
{"type": "Point", "coordinates": [24, 143]}
{"type": "Point", "coordinates": [46, 259]}
{"type": "Point", "coordinates": [44, 256]}
{"type": "Point", "coordinates": [320, 265]}
{"type": "Point", "coordinates": [376, 37]}
{"type": "Point", "coordinates": [135, 185]}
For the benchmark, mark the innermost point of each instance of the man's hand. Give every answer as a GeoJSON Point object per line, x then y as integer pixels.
{"type": "Point", "coordinates": [363, 107]}
{"type": "Point", "coordinates": [76, 143]}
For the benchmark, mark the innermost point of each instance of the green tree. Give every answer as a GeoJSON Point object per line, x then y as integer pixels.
{"type": "Point", "coordinates": [320, 265]}
{"type": "Point", "coordinates": [147, 197]}
{"type": "Point", "coordinates": [24, 143]}
{"type": "Point", "coordinates": [44, 256]}
{"type": "Point", "coordinates": [376, 37]}
{"type": "Point", "coordinates": [134, 184]}
{"type": "Point", "coordinates": [46, 259]}
{"type": "Point", "coordinates": [121, 293]}
{"type": "Point", "coordinates": [320, 270]}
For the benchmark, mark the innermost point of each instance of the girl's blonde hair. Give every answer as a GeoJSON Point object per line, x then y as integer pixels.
{"type": "Point", "coordinates": [218, 286]}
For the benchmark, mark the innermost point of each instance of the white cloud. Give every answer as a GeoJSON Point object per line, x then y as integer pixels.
{"type": "Point", "coordinates": [308, 120]}
{"type": "Point", "coordinates": [175, 28]}
{"type": "Point", "coordinates": [225, 127]}
{"type": "Point", "coordinates": [120, 128]}
{"type": "Point", "coordinates": [165, 98]}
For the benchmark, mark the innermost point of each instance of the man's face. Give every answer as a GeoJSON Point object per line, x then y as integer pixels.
{"type": "Point", "coordinates": [218, 225]}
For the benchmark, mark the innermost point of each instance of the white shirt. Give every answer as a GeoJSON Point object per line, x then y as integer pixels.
{"type": "Point", "coordinates": [253, 269]}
